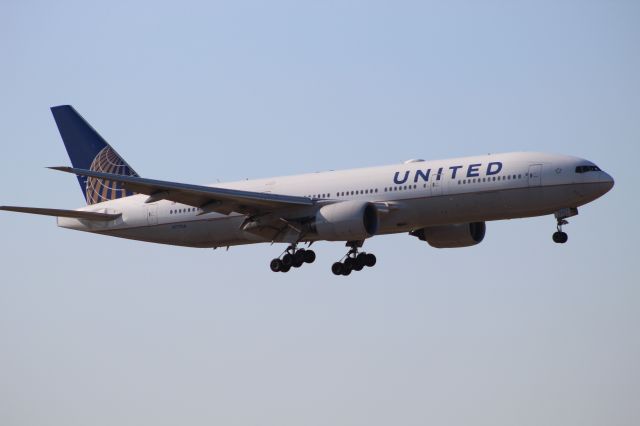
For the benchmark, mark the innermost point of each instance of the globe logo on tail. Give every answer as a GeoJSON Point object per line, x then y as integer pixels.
{"type": "Point", "coordinates": [99, 190]}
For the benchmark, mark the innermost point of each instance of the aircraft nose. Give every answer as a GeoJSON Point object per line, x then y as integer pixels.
{"type": "Point", "coordinates": [608, 179]}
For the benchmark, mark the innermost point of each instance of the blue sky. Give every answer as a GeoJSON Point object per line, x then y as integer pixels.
{"type": "Point", "coordinates": [516, 330]}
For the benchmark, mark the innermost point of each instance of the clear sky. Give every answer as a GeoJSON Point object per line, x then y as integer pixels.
{"type": "Point", "coordinates": [515, 331]}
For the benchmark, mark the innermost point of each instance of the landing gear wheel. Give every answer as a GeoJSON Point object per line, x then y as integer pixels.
{"type": "Point", "coordinates": [285, 269]}
{"type": "Point", "coordinates": [298, 257]}
{"type": "Point", "coordinates": [360, 262]}
{"type": "Point", "coordinates": [309, 256]}
{"type": "Point", "coordinates": [348, 263]}
{"type": "Point", "coordinates": [287, 260]}
{"type": "Point", "coordinates": [336, 268]}
{"type": "Point", "coordinates": [276, 265]}
{"type": "Point", "coordinates": [560, 237]}
{"type": "Point", "coordinates": [347, 266]}
{"type": "Point", "coordinates": [370, 260]}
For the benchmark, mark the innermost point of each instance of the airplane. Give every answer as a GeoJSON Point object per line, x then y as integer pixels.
{"type": "Point", "coordinates": [445, 203]}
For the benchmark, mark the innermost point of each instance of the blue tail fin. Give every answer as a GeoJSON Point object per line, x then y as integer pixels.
{"type": "Point", "coordinates": [88, 150]}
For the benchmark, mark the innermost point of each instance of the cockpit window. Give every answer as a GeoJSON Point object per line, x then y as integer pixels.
{"type": "Point", "coordinates": [585, 169]}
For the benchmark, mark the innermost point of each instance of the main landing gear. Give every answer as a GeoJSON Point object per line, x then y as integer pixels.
{"type": "Point", "coordinates": [559, 236]}
{"type": "Point", "coordinates": [353, 261]}
{"type": "Point", "coordinates": [292, 257]}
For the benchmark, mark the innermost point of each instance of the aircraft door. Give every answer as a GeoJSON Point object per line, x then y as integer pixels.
{"type": "Point", "coordinates": [152, 214]}
{"type": "Point", "coordinates": [535, 175]}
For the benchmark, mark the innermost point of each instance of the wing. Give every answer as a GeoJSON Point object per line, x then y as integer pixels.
{"type": "Point", "coordinates": [209, 199]}
{"type": "Point", "coordinates": [76, 214]}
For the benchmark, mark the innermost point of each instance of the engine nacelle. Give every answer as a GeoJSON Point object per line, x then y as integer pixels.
{"type": "Point", "coordinates": [346, 221]}
{"type": "Point", "coordinates": [450, 236]}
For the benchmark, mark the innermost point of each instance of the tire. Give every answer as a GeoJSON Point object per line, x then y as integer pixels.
{"type": "Point", "coordinates": [336, 268]}
{"type": "Point", "coordinates": [346, 272]}
{"type": "Point", "coordinates": [298, 257]}
{"type": "Point", "coordinates": [560, 237]}
{"type": "Point", "coordinates": [371, 260]}
{"type": "Point", "coordinates": [276, 265]}
{"type": "Point", "coordinates": [287, 260]}
{"type": "Point", "coordinates": [297, 262]}
{"type": "Point", "coordinates": [361, 261]}
{"type": "Point", "coordinates": [285, 269]}
{"type": "Point", "coordinates": [309, 256]}
{"type": "Point", "coordinates": [349, 263]}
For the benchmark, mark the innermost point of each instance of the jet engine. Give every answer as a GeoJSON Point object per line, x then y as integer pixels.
{"type": "Point", "coordinates": [450, 236]}
{"type": "Point", "coordinates": [346, 221]}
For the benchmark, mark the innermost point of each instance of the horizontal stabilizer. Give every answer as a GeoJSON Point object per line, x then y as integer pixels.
{"type": "Point", "coordinates": [76, 214]}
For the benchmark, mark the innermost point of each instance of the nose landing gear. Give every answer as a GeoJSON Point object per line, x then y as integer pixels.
{"type": "Point", "coordinates": [559, 236]}
{"type": "Point", "coordinates": [353, 260]}
{"type": "Point", "coordinates": [292, 257]}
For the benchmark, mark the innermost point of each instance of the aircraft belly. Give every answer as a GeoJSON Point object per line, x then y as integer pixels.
{"type": "Point", "coordinates": [479, 206]}
{"type": "Point", "coordinates": [199, 233]}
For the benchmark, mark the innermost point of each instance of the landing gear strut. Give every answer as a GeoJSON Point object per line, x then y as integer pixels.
{"type": "Point", "coordinates": [292, 257]}
{"type": "Point", "coordinates": [353, 260]}
{"type": "Point", "coordinates": [559, 236]}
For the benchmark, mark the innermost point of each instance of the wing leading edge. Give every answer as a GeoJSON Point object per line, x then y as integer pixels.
{"type": "Point", "coordinates": [209, 199]}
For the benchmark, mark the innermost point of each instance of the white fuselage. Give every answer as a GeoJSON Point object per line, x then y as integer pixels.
{"type": "Point", "coordinates": [414, 195]}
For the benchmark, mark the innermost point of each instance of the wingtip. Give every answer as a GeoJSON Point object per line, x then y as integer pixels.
{"type": "Point", "coordinates": [60, 168]}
